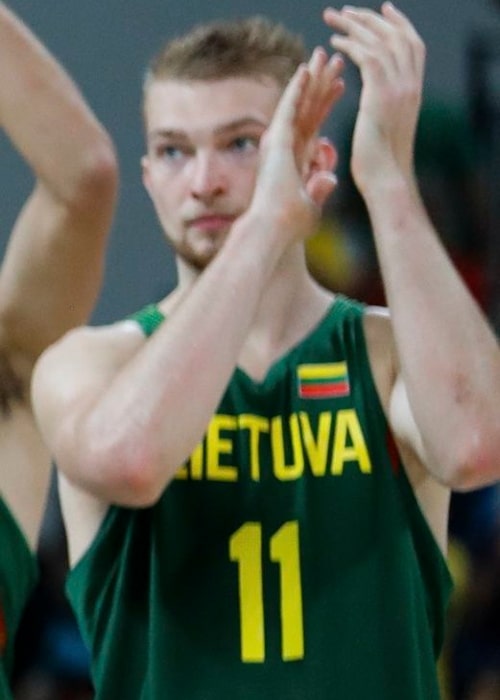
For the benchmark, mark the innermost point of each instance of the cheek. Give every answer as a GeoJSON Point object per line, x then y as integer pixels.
{"type": "Point", "coordinates": [166, 193]}
{"type": "Point", "coordinates": [165, 206]}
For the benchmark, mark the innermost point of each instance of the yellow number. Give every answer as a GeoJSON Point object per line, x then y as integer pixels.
{"type": "Point", "coordinates": [285, 552]}
{"type": "Point", "coordinates": [245, 548]}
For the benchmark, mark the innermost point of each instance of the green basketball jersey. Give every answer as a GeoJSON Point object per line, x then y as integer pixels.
{"type": "Point", "coordinates": [17, 580]}
{"type": "Point", "coordinates": [288, 559]}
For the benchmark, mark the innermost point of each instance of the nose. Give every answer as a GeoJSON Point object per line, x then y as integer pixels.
{"type": "Point", "coordinates": [208, 179]}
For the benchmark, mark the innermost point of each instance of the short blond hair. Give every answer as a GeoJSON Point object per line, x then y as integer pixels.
{"type": "Point", "coordinates": [254, 47]}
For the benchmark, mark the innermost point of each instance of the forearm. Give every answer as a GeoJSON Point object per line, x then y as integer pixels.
{"type": "Point", "coordinates": [126, 436]}
{"type": "Point", "coordinates": [159, 404]}
{"type": "Point", "coordinates": [449, 357]}
{"type": "Point", "coordinates": [44, 115]}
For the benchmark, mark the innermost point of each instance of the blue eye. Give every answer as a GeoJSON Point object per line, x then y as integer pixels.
{"type": "Point", "coordinates": [171, 152]}
{"type": "Point", "coordinates": [244, 143]}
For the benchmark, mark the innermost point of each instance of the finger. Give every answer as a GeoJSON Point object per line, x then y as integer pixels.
{"type": "Point", "coordinates": [362, 24]}
{"type": "Point", "coordinates": [317, 62]}
{"type": "Point", "coordinates": [320, 186]}
{"type": "Point", "coordinates": [398, 18]}
{"type": "Point", "coordinates": [333, 89]}
{"type": "Point", "coordinates": [359, 41]}
{"type": "Point", "coordinates": [394, 32]}
{"type": "Point", "coordinates": [290, 104]}
{"type": "Point", "coordinates": [316, 65]}
{"type": "Point", "coordinates": [406, 29]}
{"type": "Point", "coordinates": [327, 75]}
{"type": "Point", "coordinates": [326, 86]}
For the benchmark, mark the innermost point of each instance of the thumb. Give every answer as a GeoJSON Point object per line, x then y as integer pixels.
{"type": "Point", "coordinates": [320, 186]}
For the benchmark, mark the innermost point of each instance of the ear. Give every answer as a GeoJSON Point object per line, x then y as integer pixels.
{"type": "Point", "coordinates": [146, 175]}
{"type": "Point", "coordinates": [323, 157]}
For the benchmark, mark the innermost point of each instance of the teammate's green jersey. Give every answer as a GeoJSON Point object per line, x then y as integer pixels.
{"type": "Point", "coordinates": [287, 560]}
{"type": "Point", "coordinates": [17, 579]}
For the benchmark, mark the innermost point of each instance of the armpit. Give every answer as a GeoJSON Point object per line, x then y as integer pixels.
{"type": "Point", "coordinates": [12, 386]}
{"type": "Point", "coordinates": [381, 352]}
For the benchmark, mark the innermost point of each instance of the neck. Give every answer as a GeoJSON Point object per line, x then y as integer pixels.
{"type": "Point", "coordinates": [292, 304]}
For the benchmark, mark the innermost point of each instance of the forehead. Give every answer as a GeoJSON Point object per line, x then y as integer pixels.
{"type": "Point", "coordinates": [198, 106]}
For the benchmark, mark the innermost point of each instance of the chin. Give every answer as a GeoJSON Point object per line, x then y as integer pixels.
{"type": "Point", "coordinates": [199, 251]}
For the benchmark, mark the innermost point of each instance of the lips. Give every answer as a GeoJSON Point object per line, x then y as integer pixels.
{"type": "Point", "coordinates": [211, 222]}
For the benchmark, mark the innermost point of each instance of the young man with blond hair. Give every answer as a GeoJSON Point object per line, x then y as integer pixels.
{"type": "Point", "coordinates": [255, 472]}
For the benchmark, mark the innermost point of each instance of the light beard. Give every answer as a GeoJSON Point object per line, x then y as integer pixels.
{"type": "Point", "coordinates": [197, 261]}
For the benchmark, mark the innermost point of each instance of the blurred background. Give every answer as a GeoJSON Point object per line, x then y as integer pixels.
{"type": "Point", "coordinates": [105, 47]}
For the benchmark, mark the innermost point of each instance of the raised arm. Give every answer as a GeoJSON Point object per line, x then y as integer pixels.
{"type": "Point", "coordinates": [52, 270]}
{"type": "Point", "coordinates": [444, 401]}
{"type": "Point", "coordinates": [122, 414]}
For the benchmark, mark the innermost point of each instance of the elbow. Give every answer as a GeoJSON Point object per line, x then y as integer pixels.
{"type": "Point", "coordinates": [95, 184]}
{"type": "Point", "coordinates": [476, 460]}
{"type": "Point", "coordinates": [118, 464]}
{"type": "Point", "coordinates": [121, 474]}
{"type": "Point", "coordinates": [137, 483]}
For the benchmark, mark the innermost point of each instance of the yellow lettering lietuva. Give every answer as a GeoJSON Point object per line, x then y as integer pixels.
{"type": "Point", "coordinates": [293, 443]}
{"type": "Point", "coordinates": [282, 470]}
{"type": "Point", "coordinates": [349, 444]}
{"type": "Point", "coordinates": [316, 448]}
{"type": "Point", "coordinates": [217, 446]}
{"type": "Point", "coordinates": [256, 425]}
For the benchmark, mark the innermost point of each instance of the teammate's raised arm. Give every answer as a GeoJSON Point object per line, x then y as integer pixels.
{"type": "Point", "coordinates": [50, 279]}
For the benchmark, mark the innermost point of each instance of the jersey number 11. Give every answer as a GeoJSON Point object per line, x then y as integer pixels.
{"type": "Point", "coordinates": [245, 548]}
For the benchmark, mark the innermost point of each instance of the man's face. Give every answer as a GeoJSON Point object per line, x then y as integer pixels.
{"type": "Point", "coordinates": [202, 157]}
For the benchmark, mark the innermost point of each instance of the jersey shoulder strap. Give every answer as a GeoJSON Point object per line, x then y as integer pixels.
{"type": "Point", "coordinates": [148, 318]}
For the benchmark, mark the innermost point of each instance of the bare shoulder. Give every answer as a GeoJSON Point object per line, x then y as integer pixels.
{"type": "Point", "coordinates": [77, 367]}
{"type": "Point", "coordinates": [115, 336]}
{"type": "Point", "coordinates": [93, 347]}
{"type": "Point", "coordinates": [381, 351]}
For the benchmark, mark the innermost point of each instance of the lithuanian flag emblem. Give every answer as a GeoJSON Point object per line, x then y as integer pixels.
{"type": "Point", "coordinates": [323, 381]}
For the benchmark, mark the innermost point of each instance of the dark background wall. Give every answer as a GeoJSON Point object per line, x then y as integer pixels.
{"type": "Point", "coordinates": [105, 45]}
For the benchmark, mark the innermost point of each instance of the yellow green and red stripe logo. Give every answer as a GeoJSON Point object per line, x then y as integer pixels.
{"type": "Point", "coordinates": [3, 632]}
{"type": "Point", "coordinates": [323, 381]}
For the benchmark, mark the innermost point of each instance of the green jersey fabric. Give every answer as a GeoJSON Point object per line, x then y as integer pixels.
{"type": "Point", "coordinates": [287, 560]}
{"type": "Point", "coordinates": [18, 573]}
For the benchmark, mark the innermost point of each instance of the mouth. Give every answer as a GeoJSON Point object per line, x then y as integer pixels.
{"type": "Point", "coordinates": [211, 222]}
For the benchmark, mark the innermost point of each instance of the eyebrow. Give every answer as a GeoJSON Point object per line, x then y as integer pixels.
{"type": "Point", "coordinates": [235, 125]}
